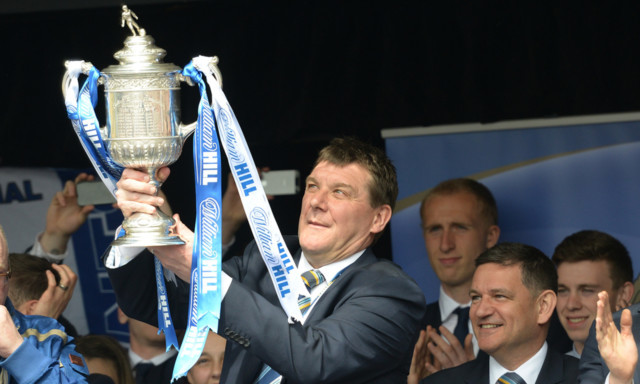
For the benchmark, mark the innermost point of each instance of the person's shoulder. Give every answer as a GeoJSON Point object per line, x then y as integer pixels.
{"type": "Point", "coordinates": [433, 305]}
{"type": "Point", "coordinates": [635, 312]}
{"type": "Point", "coordinates": [569, 365]}
{"type": "Point", "coordinates": [455, 374]}
{"type": "Point", "coordinates": [382, 271]}
{"type": "Point", "coordinates": [41, 327]}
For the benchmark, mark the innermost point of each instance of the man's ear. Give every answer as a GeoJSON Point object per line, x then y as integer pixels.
{"type": "Point", "coordinates": [382, 217]}
{"type": "Point", "coordinates": [493, 235]}
{"type": "Point", "coordinates": [122, 318]}
{"type": "Point", "coordinates": [546, 304]}
{"type": "Point", "coordinates": [623, 297]}
{"type": "Point", "coordinates": [28, 307]}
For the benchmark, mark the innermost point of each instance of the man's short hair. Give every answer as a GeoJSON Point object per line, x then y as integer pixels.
{"type": "Point", "coordinates": [383, 187]}
{"type": "Point", "coordinates": [591, 245]}
{"type": "Point", "coordinates": [28, 277]}
{"type": "Point", "coordinates": [488, 206]}
{"type": "Point", "coordinates": [537, 270]}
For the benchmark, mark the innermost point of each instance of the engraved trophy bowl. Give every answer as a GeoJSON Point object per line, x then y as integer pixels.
{"type": "Point", "coordinates": [143, 129]}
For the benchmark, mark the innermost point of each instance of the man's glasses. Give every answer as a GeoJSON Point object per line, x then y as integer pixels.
{"type": "Point", "coordinates": [6, 275]}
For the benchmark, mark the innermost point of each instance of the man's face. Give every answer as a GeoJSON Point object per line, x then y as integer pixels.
{"type": "Point", "coordinates": [578, 287]}
{"type": "Point", "coordinates": [504, 314]}
{"type": "Point", "coordinates": [4, 267]}
{"type": "Point", "coordinates": [455, 234]}
{"type": "Point", "coordinates": [337, 219]}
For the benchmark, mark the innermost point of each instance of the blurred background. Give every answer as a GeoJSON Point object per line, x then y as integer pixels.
{"type": "Point", "coordinates": [298, 73]}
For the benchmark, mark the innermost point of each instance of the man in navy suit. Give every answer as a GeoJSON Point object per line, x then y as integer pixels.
{"type": "Point", "coordinates": [513, 296]}
{"type": "Point", "coordinates": [366, 314]}
{"type": "Point", "coordinates": [459, 222]}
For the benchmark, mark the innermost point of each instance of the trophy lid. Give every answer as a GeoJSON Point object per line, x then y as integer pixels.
{"type": "Point", "coordinates": [140, 54]}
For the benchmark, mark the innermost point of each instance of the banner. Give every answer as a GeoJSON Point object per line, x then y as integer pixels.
{"type": "Point", "coordinates": [550, 178]}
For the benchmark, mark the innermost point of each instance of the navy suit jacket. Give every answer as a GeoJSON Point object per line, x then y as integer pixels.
{"type": "Point", "coordinates": [361, 330]}
{"type": "Point", "coordinates": [592, 367]}
{"type": "Point", "coordinates": [556, 369]}
{"type": "Point", "coordinates": [160, 374]}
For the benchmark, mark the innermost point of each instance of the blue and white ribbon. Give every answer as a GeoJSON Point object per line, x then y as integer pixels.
{"type": "Point", "coordinates": [283, 271]}
{"type": "Point", "coordinates": [165, 324]}
{"type": "Point", "coordinates": [80, 109]}
{"type": "Point", "coordinates": [206, 264]}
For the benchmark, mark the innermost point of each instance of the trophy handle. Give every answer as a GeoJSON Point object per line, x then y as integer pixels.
{"type": "Point", "coordinates": [74, 68]}
{"type": "Point", "coordinates": [187, 130]}
{"type": "Point", "coordinates": [213, 66]}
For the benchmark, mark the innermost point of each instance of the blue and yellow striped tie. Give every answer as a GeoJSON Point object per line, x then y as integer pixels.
{"type": "Point", "coordinates": [311, 278]}
{"type": "Point", "coordinates": [510, 378]}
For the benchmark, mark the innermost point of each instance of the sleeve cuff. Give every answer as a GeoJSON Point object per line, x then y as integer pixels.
{"type": "Point", "coordinates": [119, 256]}
{"type": "Point", "coordinates": [37, 250]}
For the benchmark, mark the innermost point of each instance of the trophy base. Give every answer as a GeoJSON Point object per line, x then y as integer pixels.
{"type": "Point", "coordinates": [136, 241]}
{"type": "Point", "coordinates": [145, 230]}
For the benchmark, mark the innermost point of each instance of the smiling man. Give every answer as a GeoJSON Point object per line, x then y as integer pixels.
{"type": "Point", "coordinates": [459, 222]}
{"type": "Point", "coordinates": [513, 296]}
{"type": "Point", "coordinates": [589, 262]}
{"type": "Point", "coordinates": [365, 313]}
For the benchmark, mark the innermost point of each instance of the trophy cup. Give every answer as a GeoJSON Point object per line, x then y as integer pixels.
{"type": "Point", "coordinates": [143, 128]}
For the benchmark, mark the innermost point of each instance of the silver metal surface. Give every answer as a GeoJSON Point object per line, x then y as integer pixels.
{"type": "Point", "coordinates": [143, 128]}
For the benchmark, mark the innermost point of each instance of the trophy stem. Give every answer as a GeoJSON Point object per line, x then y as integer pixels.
{"type": "Point", "coordinates": [148, 230]}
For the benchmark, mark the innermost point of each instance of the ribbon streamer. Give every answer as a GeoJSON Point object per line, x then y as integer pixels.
{"type": "Point", "coordinates": [206, 265]}
{"type": "Point", "coordinates": [283, 271]}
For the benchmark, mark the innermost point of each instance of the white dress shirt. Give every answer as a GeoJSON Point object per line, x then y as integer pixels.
{"type": "Point", "coordinates": [450, 319]}
{"type": "Point", "coordinates": [529, 370]}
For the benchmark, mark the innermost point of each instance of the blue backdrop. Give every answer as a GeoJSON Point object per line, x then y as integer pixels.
{"type": "Point", "coordinates": [549, 181]}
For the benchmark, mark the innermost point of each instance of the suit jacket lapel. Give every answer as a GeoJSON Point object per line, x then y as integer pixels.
{"type": "Point", "coordinates": [478, 373]}
{"type": "Point", "coordinates": [320, 309]}
{"type": "Point", "coordinates": [552, 370]}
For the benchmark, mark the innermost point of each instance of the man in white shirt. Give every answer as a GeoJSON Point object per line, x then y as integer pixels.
{"type": "Point", "coordinates": [459, 222]}
{"type": "Point", "coordinates": [364, 316]}
{"type": "Point", "coordinates": [513, 296]}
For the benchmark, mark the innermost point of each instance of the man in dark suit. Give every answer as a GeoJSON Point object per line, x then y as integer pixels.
{"type": "Point", "coordinates": [513, 296]}
{"type": "Point", "coordinates": [366, 314]}
{"type": "Point", "coordinates": [608, 349]}
{"type": "Point", "coordinates": [459, 222]}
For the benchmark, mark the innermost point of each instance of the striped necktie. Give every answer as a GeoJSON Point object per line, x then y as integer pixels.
{"type": "Point", "coordinates": [311, 279]}
{"type": "Point", "coordinates": [511, 378]}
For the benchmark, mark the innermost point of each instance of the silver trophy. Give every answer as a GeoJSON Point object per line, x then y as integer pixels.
{"type": "Point", "coordinates": [143, 122]}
